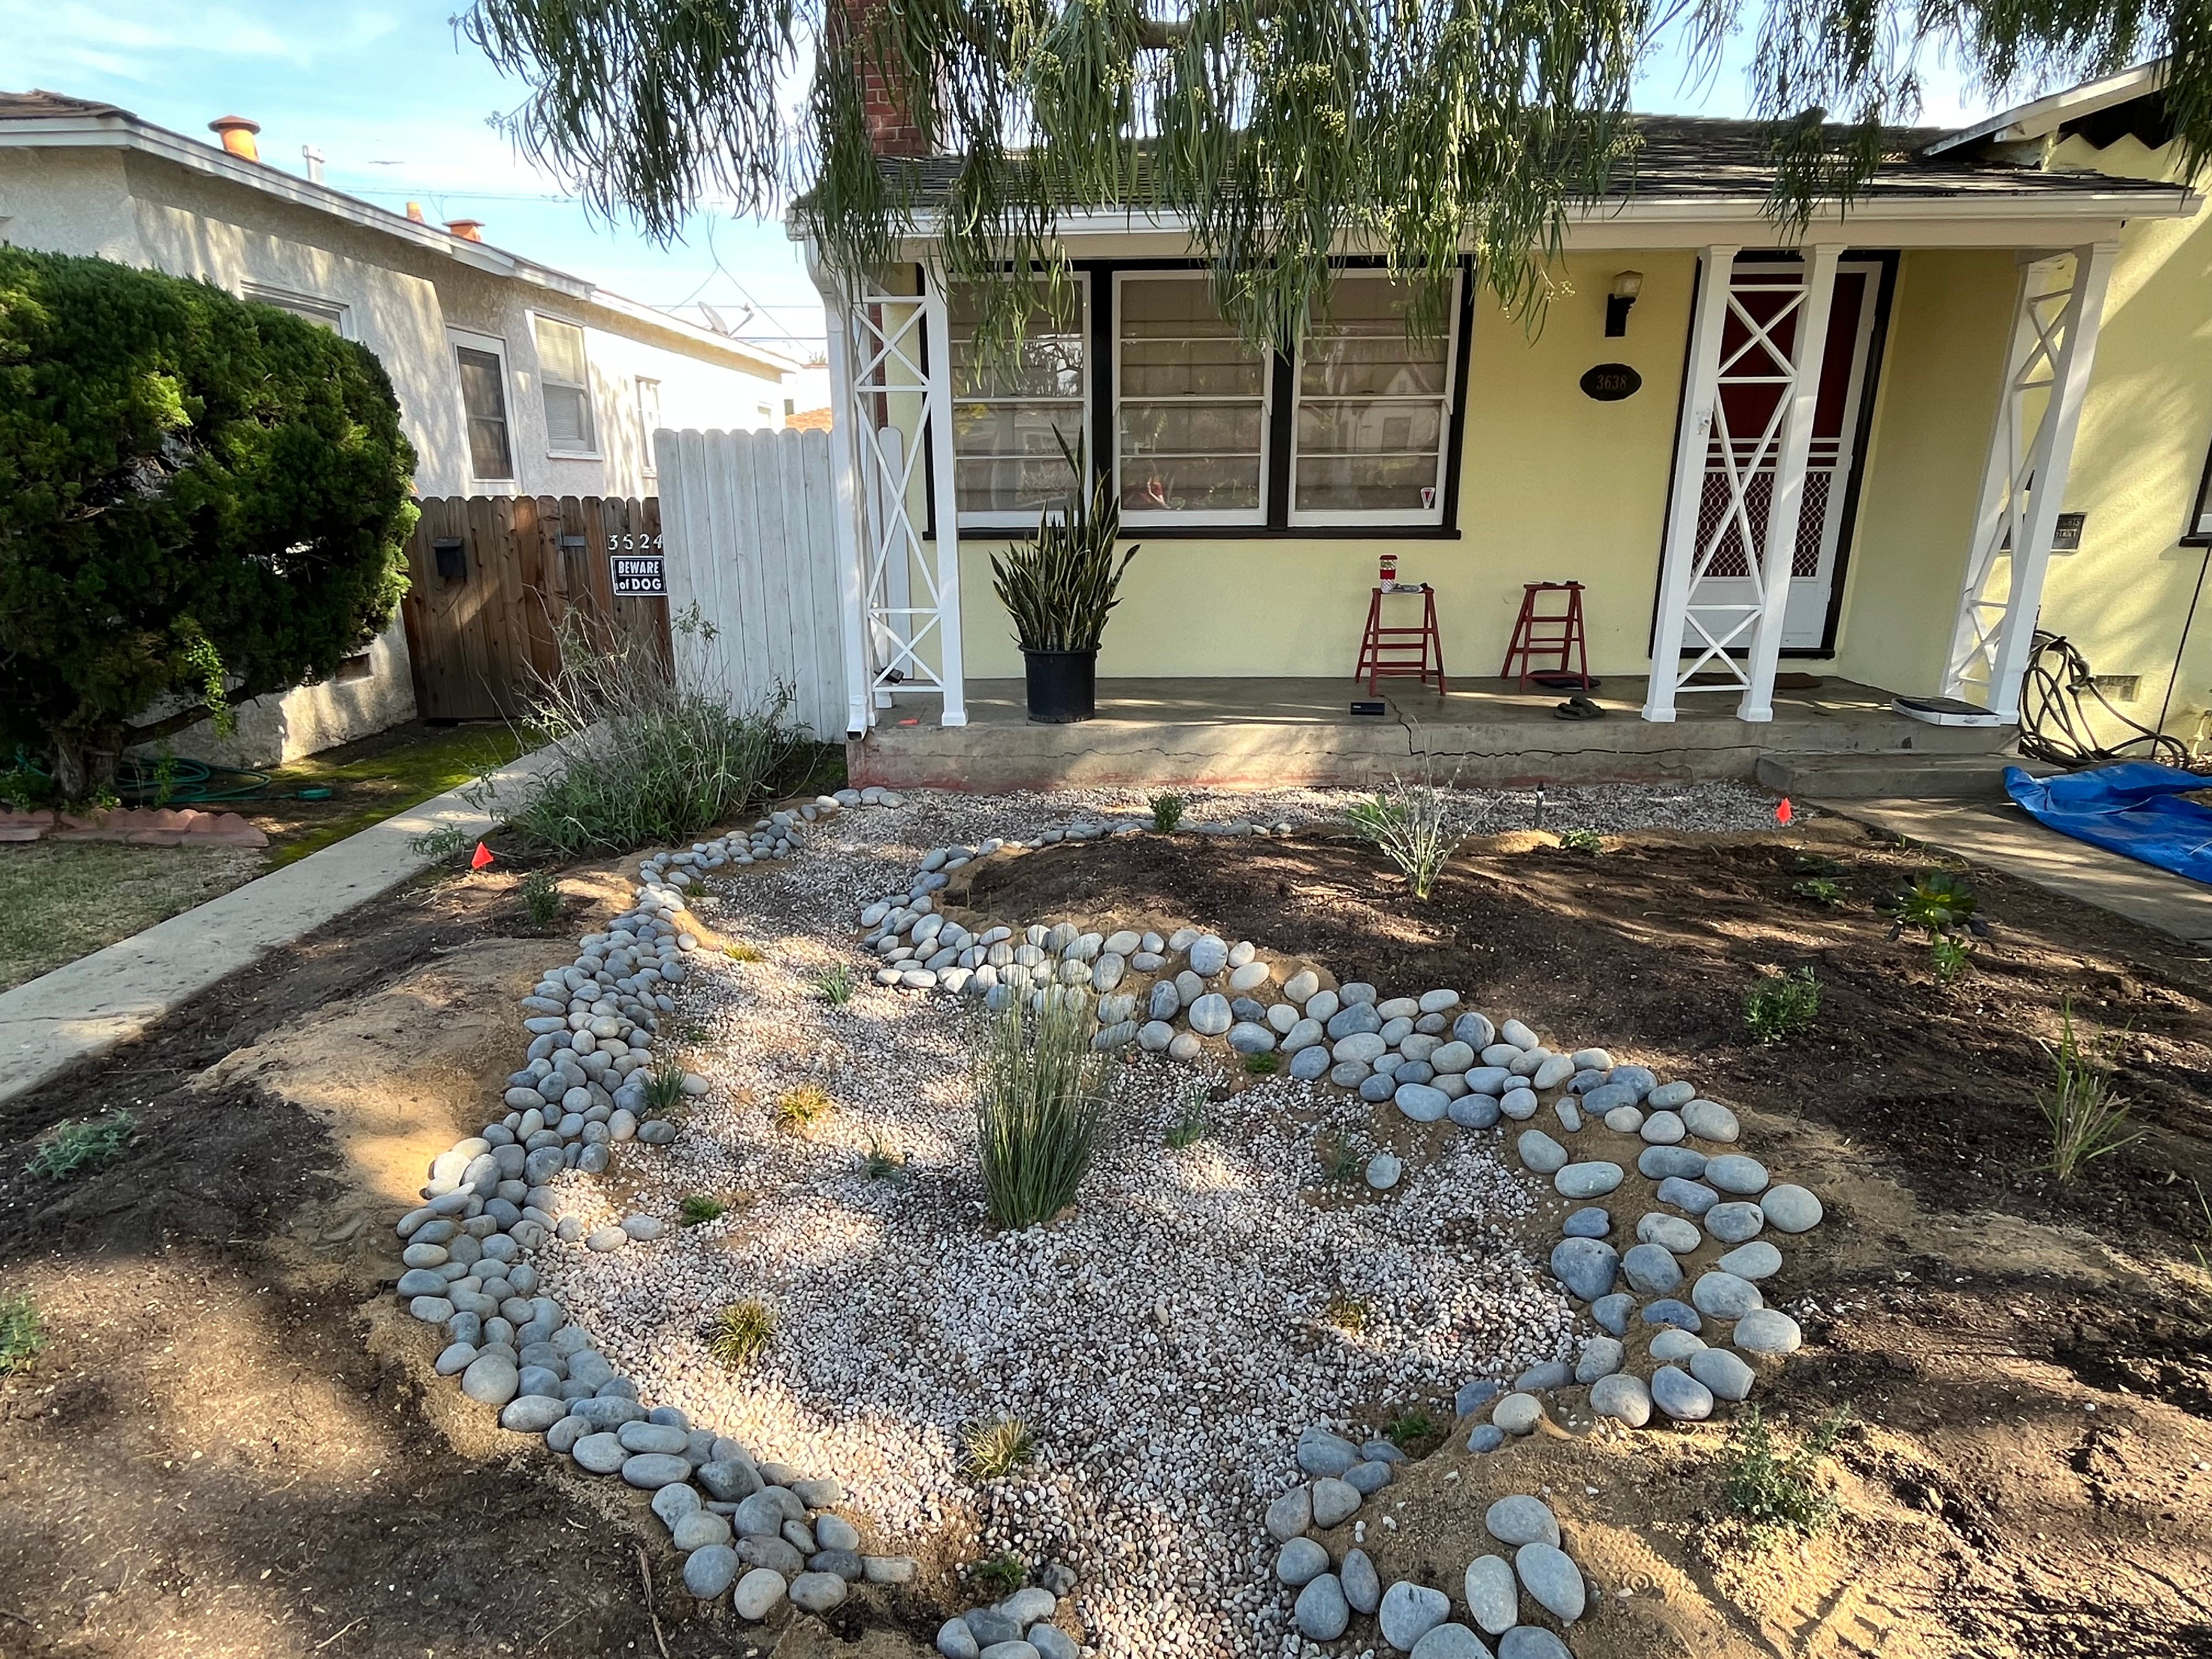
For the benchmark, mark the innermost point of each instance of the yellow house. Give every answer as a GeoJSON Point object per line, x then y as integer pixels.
{"type": "Point", "coordinates": [1790, 474]}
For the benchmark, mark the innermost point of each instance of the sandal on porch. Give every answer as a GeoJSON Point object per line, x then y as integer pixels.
{"type": "Point", "coordinates": [1578, 708]}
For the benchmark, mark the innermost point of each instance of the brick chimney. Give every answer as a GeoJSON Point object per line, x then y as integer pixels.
{"type": "Point", "coordinates": [415, 212]}
{"type": "Point", "coordinates": [469, 230]}
{"type": "Point", "coordinates": [237, 135]}
{"type": "Point", "coordinates": [892, 130]}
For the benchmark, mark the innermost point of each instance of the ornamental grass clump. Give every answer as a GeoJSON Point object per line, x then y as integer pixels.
{"type": "Point", "coordinates": [742, 1331]}
{"type": "Point", "coordinates": [1417, 825]}
{"type": "Point", "coordinates": [2086, 1121]}
{"type": "Point", "coordinates": [996, 1446]}
{"type": "Point", "coordinates": [1060, 587]}
{"type": "Point", "coordinates": [642, 762]}
{"type": "Point", "coordinates": [1042, 1096]}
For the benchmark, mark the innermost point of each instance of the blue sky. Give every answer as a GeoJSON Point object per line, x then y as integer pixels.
{"type": "Point", "coordinates": [399, 105]}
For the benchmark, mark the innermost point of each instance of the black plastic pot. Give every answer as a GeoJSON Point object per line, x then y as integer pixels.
{"type": "Point", "coordinates": [1063, 685]}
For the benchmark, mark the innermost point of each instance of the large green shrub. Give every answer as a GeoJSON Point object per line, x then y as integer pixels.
{"type": "Point", "coordinates": [201, 500]}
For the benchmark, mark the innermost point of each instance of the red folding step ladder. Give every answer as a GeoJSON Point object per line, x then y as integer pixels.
{"type": "Point", "coordinates": [1401, 653]}
{"type": "Point", "coordinates": [1532, 637]}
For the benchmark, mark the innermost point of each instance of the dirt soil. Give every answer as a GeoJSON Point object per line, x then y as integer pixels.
{"type": "Point", "coordinates": [2028, 1469]}
{"type": "Point", "coordinates": [233, 1447]}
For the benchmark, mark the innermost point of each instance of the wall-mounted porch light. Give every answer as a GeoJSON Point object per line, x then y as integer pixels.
{"type": "Point", "coordinates": [1625, 287]}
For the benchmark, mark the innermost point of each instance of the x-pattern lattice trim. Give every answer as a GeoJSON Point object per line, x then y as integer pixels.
{"type": "Point", "coordinates": [889, 333]}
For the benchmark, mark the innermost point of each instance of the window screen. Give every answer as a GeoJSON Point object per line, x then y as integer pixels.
{"type": "Point", "coordinates": [1373, 411]}
{"type": "Point", "coordinates": [1192, 404]}
{"type": "Point", "coordinates": [1007, 466]}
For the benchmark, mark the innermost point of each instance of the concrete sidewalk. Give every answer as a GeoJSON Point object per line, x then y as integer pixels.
{"type": "Point", "coordinates": [2005, 838]}
{"type": "Point", "coordinates": [83, 1009]}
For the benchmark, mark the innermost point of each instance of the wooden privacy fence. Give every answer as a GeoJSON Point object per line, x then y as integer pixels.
{"type": "Point", "coordinates": [493, 580]}
{"type": "Point", "coordinates": [752, 542]}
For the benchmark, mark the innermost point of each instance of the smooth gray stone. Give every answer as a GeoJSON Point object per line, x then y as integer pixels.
{"type": "Point", "coordinates": [1520, 1520]}
{"type": "Point", "coordinates": [956, 1641]}
{"type": "Point", "coordinates": [1591, 1221]}
{"type": "Point", "coordinates": [1360, 1019]}
{"type": "Point", "coordinates": [1611, 1312]}
{"type": "Point", "coordinates": [761, 1591]}
{"type": "Point", "coordinates": [1591, 1180]}
{"type": "Point", "coordinates": [1335, 1502]}
{"type": "Point", "coordinates": [700, 1528]}
{"type": "Point", "coordinates": [1735, 1221]}
{"type": "Point", "coordinates": [604, 1410]}
{"type": "Point", "coordinates": [1658, 1163]}
{"type": "Point", "coordinates": [1361, 1047]}
{"type": "Point", "coordinates": [710, 1571]}
{"type": "Point", "coordinates": [1685, 1194]}
{"type": "Point", "coordinates": [1642, 1078]}
{"type": "Point", "coordinates": [1657, 1227]}
{"type": "Point", "coordinates": [1709, 1120]}
{"type": "Point", "coordinates": [1651, 1269]}
{"type": "Point", "coordinates": [1302, 1035]}
{"type": "Point", "coordinates": [1540, 1152]}
{"type": "Point", "coordinates": [1246, 1038]}
{"type": "Point", "coordinates": [650, 1470]}
{"type": "Point", "coordinates": [1607, 1097]}
{"type": "Point", "coordinates": [1310, 1064]}
{"type": "Point", "coordinates": [1486, 1437]}
{"type": "Point", "coordinates": [1602, 1355]}
{"type": "Point", "coordinates": [1053, 1642]}
{"type": "Point", "coordinates": [1300, 1562]}
{"type": "Point", "coordinates": [562, 1436]}
{"type": "Point", "coordinates": [1489, 1080]}
{"type": "Point", "coordinates": [1547, 1374]}
{"type": "Point", "coordinates": [772, 1553]}
{"type": "Point", "coordinates": [1290, 1515]}
{"type": "Point", "coordinates": [1672, 1311]}
{"type": "Point", "coordinates": [1723, 1296]}
{"type": "Point", "coordinates": [1384, 1170]}
{"type": "Point", "coordinates": [992, 1626]}
{"type": "Point", "coordinates": [1320, 1452]}
{"type": "Point", "coordinates": [1680, 1396]}
{"type": "Point", "coordinates": [1622, 1396]}
{"type": "Point", "coordinates": [1369, 1478]}
{"type": "Point", "coordinates": [602, 1454]}
{"type": "Point", "coordinates": [1732, 1172]}
{"type": "Point", "coordinates": [454, 1358]}
{"type": "Point", "coordinates": [1520, 1105]}
{"type": "Point", "coordinates": [1451, 1642]}
{"type": "Point", "coordinates": [1379, 1087]}
{"type": "Point", "coordinates": [1586, 1266]}
{"type": "Point", "coordinates": [1473, 1111]}
{"type": "Point", "coordinates": [1791, 1208]}
{"type": "Point", "coordinates": [1475, 1030]}
{"type": "Point", "coordinates": [492, 1378]}
{"type": "Point", "coordinates": [1755, 1260]}
{"type": "Point", "coordinates": [1724, 1373]}
{"type": "Point", "coordinates": [1321, 1612]}
{"type": "Point", "coordinates": [1424, 1103]}
{"type": "Point", "coordinates": [1208, 955]}
{"type": "Point", "coordinates": [1473, 1396]}
{"type": "Point", "coordinates": [1532, 1642]}
{"type": "Point", "coordinates": [835, 1532]}
{"type": "Point", "coordinates": [1493, 1597]}
{"type": "Point", "coordinates": [421, 1281]}
{"type": "Point", "coordinates": [1381, 1451]}
{"type": "Point", "coordinates": [1453, 1057]}
{"type": "Point", "coordinates": [729, 1480]}
{"type": "Point", "coordinates": [819, 1592]}
{"type": "Point", "coordinates": [649, 1436]}
{"type": "Point", "coordinates": [1411, 1611]}
{"type": "Point", "coordinates": [1554, 1581]}
{"type": "Point", "coordinates": [846, 1564]}
{"type": "Point", "coordinates": [1767, 1331]}
{"type": "Point", "coordinates": [532, 1413]}
{"type": "Point", "coordinates": [1673, 1344]}
{"type": "Point", "coordinates": [1165, 1003]}
{"type": "Point", "coordinates": [1362, 1585]}
{"type": "Point", "coordinates": [1517, 1414]}
{"type": "Point", "coordinates": [1667, 1095]}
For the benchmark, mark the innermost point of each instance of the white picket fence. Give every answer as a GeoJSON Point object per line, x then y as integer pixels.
{"type": "Point", "coordinates": [749, 534]}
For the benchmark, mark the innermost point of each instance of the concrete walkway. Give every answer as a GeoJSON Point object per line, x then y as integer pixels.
{"type": "Point", "coordinates": [85, 1008]}
{"type": "Point", "coordinates": [2005, 838]}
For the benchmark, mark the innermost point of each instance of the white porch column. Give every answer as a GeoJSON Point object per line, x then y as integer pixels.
{"type": "Point", "coordinates": [951, 666]}
{"type": "Point", "coordinates": [2054, 345]}
{"type": "Point", "coordinates": [851, 606]}
{"type": "Point", "coordinates": [1786, 503]}
{"type": "Point", "coordinates": [1700, 387]}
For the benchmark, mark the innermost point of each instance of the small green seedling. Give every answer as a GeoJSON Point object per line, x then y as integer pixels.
{"type": "Point", "coordinates": [996, 1446]}
{"type": "Point", "coordinates": [1582, 841]}
{"type": "Point", "coordinates": [2087, 1119]}
{"type": "Point", "coordinates": [1950, 956]}
{"type": "Point", "coordinates": [1002, 1575]}
{"type": "Point", "coordinates": [738, 950]}
{"type": "Point", "coordinates": [437, 845]}
{"type": "Point", "coordinates": [1940, 903]}
{"type": "Point", "coordinates": [1818, 889]}
{"type": "Point", "coordinates": [1782, 1007]}
{"type": "Point", "coordinates": [742, 1331]}
{"type": "Point", "coordinates": [835, 984]}
{"type": "Point", "coordinates": [1190, 1128]}
{"type": "Point", "coordinates": [1413, 1427]}
{"type": "Point", "coordinates": [541, 896]}
{"type": "Point", "coordinates": [21, 1333]}
{"type": "Point", "coordinates": [1349, 1314]}
{"type": "Point", "coordinates": [1340, 1159]}
{"type": "Point", "coordinates": [1167, 812]}
{"type": "Point", "coordinates": [881, 1164]}
{"type": "Point", "coordinates": [1266, 1065]}
{"type": "Point", "coordinates": [697, 1209]}
{"type": "Point", "coordinates": [664, 1088]}
{"type": "Point", "coordinates": [81, 1143]}
{"type": "Point", "coordinates": [1776, 1495]}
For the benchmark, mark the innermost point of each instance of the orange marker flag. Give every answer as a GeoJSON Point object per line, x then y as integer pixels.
{"type": "Point", "coordinates": [481, 857]}
{"type": "Point", "coordinates": [1782, 813]}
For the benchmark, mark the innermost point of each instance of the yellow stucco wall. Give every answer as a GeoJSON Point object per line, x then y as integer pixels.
{"type": "Point", "coordinates": [2145, 429]}
{"type": "Point", "coordinates": [1554, 486]}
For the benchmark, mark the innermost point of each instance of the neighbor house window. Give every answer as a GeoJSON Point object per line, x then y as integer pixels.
{"type": "Point", "coordinates": [566, 387]}
{"type": "Point", "coordinates": [648, 418]}
{"type": "Point", "coordinates": [328, 314]}
{"type": "Point", "coordinates": [1010, 419]}
{"type": "Point", "coordinates": [1190, 406]}
{"type": "Point", "coordinates": [1373, 409]}
{"type": "Point", "coordinates": [483, 363]}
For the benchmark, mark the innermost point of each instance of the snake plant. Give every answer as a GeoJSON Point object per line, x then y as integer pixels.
{"type": "Point", "coordinates": [1058, 587]}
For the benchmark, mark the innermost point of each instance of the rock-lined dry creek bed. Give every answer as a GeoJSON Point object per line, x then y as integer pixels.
{"type": "Point", "coordinates": [1190, 1342]}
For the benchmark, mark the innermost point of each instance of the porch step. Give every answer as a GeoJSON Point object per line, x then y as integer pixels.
{"type": "Point", "coordinates": [1887, 776]}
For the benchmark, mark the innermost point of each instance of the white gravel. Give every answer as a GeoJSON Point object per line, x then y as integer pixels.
{"type": "Point", "coordinates": [1165, 1343]}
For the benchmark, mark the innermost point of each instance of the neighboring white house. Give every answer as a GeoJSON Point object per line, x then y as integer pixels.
{"type": "Point", "coordinates": [513, 378]}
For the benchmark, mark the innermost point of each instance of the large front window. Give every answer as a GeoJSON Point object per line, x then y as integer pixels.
{"type": "Point", "coordinates": [1373, 409]}
{"type": "Point", "coordinates": [1010, 419]}
{"type": "Point", "coordinates": [1191, 407]}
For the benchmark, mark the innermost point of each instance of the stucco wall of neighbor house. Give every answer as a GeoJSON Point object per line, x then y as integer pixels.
{"type": "Point", "coordinates": [2146, 429]}
{"type": "Point", "coordinates": [309, 719]}
{"type": "Point", "coordinates": [69, 202]}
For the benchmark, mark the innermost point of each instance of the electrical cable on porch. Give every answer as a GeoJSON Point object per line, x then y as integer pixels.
{"type": "Point", "coordinates": [2055, 726]}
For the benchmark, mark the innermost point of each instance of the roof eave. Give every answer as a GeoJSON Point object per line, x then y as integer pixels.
{"type": "Point", "coordinates": [2047, 115]}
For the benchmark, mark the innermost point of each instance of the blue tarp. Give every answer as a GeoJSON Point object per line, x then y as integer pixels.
{"type": "Point", "coordinates": [2134, 808]}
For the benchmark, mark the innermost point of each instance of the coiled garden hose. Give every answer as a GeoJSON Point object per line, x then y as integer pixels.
{"type": "Point", "coordinates": [2054, 723]}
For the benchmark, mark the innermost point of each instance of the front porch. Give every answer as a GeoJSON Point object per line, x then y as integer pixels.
{"type": "Point", "coordinates": [1154, 733]}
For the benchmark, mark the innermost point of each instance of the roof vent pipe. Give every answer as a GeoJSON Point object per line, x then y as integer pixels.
{"type": "Point", "coordinates": [469, 230]}
{"type": "Point", "coordinates": [237, 135]}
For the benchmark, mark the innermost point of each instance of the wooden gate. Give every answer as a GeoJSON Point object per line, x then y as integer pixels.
{"type": "Point", "coordinates": [493, 580]}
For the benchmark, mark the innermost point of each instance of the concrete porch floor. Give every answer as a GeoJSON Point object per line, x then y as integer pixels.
{"type": "Point", "coordinates": [1152, 733]}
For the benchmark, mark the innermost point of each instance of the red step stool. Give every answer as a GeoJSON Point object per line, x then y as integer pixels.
{"type": "Point", "coordinates": [1529, 643]}
{"type": "Point", "coordinates": [1401, 653]}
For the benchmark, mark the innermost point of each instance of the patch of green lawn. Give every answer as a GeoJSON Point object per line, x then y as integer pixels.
{"type": "Point", "coordinates": [60, 900]}
{"type": "Point", "coordinates": [428, 761]}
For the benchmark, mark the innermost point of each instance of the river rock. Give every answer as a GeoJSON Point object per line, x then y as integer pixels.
{"type": "Point", "coordinates": [1602, 1355]}
{"type": "Point", "coordinates": [1591, 1180]}
{"type": "Point", "coordinates": [1411, 1611]}
{"type": "Point", "coordinates": [1725, 1374]}
{"type": "Point", "coordinates": [1362, 1585]}
{"type": "Point", "coordinates": [1709, 1120]}
{"type": "Point", "coordinates": [709, 1570]}
{"type": "Point", "coordinates": [1532, 1642]}
{"type": "Point", "coordinates": [1734, 1221]}
{"type": "Point", "coordinates": [1555, 1581]}
{"type": "Point", "coordinates": [1335, 1502]}
{"type": "Point", "coordinates": [1210, 1015]}
{"type": "Point", "coordinates": [1300, 1562]}
{"type": "Point", "coordinates": [1660, 1162]}
{"type": "Point", "coordinates": [1493, 1598]}
{"type": "Point", "coordinates": [1520, 1520]}
{"type": "Point", "coordinates": [1732, 1172]}
{"type": "Point", "coordinates": [1755, 1260]}
{"type": "Point", "coordinates": [1516, 1414]}
{"type": "Point", "coordinates": [1791, 1208]}
{"type": "Point", "coordinates": [1592, 1221]}
{"type": "Point", "coordinates": [1451, 1642]}
{"type": "Point", "coordinates": [1320, 1452]}
{"type": "Point", "coordinates": [1651, 1269]}
{"type": "Point", "coordinates": [1623, 1397]}
{"type": "Point", "coordinates": [1767, 1331]}
{"type": "Point", "coordinates": [1585, 1266]}
{"type": "Point", "coordinates": [1321, 1611]}
{"type": "Point", "coordinates": [1723, 1296]}
{"type": "Point", "coordinates": [1680, 1396]}
{"type": "Point", "coordinates": [819, 1592]}
{"type": "Point", "coordinates": [1540, 1152]}
{"type": "Point", "coordinates": [1423, 1102]}
{"type": "Point", "coordinates": [649, 1471]}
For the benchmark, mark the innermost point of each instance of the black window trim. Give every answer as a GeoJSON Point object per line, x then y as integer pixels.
{"type": "Point", "coordinates": [1282, 410]}
{"type": "Point", "coordinates": [2193, 534]}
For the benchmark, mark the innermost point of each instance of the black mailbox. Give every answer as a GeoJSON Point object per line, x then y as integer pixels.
{"type": "Point", "coordinates": [453, 557]}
